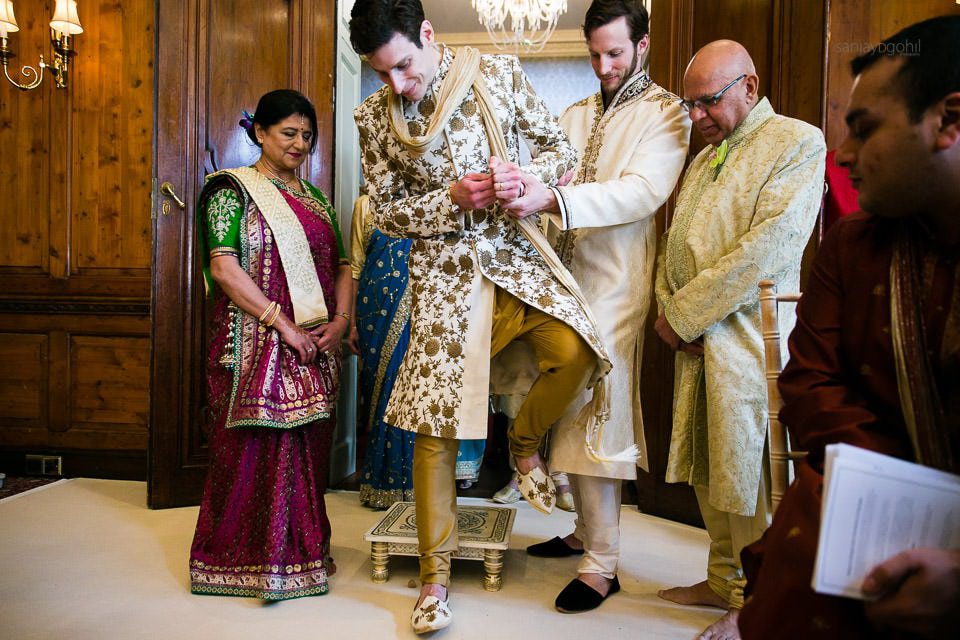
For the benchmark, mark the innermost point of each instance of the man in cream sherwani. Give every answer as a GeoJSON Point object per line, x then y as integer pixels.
{"type": "Point", "coordinates": [632, 136]}
{"type": "Point", "coordinates": [746, 208]}
{"type": "Point", "coordinates": [439, 145]}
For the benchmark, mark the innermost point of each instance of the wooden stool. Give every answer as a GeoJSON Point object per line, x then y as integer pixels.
{"type": "Point", "coordinates": [483, 533]}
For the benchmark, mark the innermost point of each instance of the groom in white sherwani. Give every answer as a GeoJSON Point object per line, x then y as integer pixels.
{"type": "Point", "coordinates": [632, 138]}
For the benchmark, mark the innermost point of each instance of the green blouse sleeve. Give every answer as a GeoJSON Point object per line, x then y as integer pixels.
{"type": "Point", "coordinates": [222, 212]}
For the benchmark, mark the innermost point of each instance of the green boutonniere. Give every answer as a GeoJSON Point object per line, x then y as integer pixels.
{"type": "Point", "coordinates": [718, 157]}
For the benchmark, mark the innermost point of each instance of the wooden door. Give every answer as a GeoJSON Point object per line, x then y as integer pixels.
{"type": "Point", "coordinates": [214, 58]}
{"type": "Point", "coordinates": [343, 455]}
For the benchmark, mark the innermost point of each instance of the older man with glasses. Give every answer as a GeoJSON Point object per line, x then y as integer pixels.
{"type": "Point", "coordinates": [745, 211]}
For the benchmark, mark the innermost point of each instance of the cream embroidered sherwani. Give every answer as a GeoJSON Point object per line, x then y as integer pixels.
{"type": "Point", "coordinates": [731, 229]}
{"type": "Point", "coordinates": [458, 257]}
{"type": "Point", "coordinates": [632, 154]}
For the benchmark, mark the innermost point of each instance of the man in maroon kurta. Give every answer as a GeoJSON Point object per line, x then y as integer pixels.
{"type": "Point", "coordinates": [841, 384]}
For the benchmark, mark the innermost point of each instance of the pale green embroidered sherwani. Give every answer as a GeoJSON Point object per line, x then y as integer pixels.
{"type": "Point", "coordinates": [751, 222]}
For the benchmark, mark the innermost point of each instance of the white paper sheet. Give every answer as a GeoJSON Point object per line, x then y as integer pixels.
{"type": "Point", "coordinates": [875, 506]}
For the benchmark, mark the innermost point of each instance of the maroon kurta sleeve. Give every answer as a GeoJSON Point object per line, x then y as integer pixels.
{"type": "Point", "coordinates": [839, 384]}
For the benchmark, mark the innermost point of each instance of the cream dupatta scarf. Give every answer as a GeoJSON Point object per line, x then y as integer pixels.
{"type": "Point", "coordinates": [309, 307]}
{"type": "Point", "coordinates": [465, 73]}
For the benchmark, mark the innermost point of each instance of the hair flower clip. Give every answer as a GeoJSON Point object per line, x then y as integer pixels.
{"type": "Point", "coordinates": [718, 156]}
{"type": "Point", "coordinates": [247, 120]}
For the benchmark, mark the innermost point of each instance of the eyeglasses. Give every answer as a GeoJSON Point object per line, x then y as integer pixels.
{"type": "Point", "coordinates": [705, 102]}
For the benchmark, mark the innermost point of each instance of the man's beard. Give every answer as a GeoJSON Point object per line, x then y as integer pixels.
{"type": "Point", "coordinates": [608, 95]}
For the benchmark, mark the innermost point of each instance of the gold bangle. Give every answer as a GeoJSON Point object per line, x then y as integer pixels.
{"type": "Point", "coordinates": [345, 316]}
{"type": "Point", "coordinates": [273, 318]}
{"type": "Point", "coordinates": [267, 311]}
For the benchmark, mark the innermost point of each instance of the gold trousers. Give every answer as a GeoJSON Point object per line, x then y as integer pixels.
{"type": "Point", "coordinates": [434, 481]}
{"type": "Point", "coordinates": [565, 362]}
{"type": "Point", "coordinates": [564, 359]}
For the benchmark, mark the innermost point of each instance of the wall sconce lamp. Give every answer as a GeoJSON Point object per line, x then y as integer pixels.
{"type": "Point", "coordinates": [64, 24]}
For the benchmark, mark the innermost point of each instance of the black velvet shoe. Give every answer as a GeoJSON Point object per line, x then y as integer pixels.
{"type": "Point", "coordinates": [578, 596]}
{"type": "Point", "coordinates": [555, 548]}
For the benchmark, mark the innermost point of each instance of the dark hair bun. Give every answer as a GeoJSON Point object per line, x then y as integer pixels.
{"type": "Point", "coordinates": [279, 105]}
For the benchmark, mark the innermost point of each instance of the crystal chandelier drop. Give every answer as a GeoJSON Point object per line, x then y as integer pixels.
{"type": "Point", "coordinates": [520, 25]}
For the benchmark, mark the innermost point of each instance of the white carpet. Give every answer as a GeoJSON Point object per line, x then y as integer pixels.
{"type": "Point", "coordinates": [85, 559]}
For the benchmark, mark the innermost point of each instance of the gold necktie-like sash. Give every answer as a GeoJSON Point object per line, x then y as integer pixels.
{"type": "Point", "coordinates": [919, 397]}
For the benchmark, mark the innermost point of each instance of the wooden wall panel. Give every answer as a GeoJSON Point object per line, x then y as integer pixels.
{"type": "Point", "coordinates": [109, 390]}
{"type": "Point", "coordinates": [22, 385]}
{"type": "Point", "coordinates": [855, 26]}
{"type": "Point", "coordinates": [24, 163]}
{"type": "Point", "coordinates": [111, 140]}
{"type": "Point", "coordinates": [797, 60]}
{"type": "Point", "coordinates": [75, 244]}
{"type": "Point", "coordinates": [75, 189]}
{"type": "Point", "coordinates": [748, 22]}
{"type": "Point", "coordinates": [255, 27]}
{"type": "Point", "coordinates": [86, 391]}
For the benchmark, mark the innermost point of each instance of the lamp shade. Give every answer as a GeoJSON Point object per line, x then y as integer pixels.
{"type": "Point", "coordinates": [8, 23]}
{"type": "Point", "coordinates": [65, 19]}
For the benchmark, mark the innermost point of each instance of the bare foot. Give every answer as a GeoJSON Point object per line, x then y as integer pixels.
{"type": "Point", "coordinates": [526, 465]}
{"type": "Point", "coordinates": [697, 594]}
{"type": "Point", "coordinates": [723, 629]}
{"type": "Point", "coordinates": [573, 542]}
{"type": "Point", "coordinates": [432, 589]}
{"type": "Point", "coordinates": [331, 566]}
{"type": "Point", "coordinates": [596, 582]}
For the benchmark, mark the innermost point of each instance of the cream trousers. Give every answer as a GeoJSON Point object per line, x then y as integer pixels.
{"type": "Point", "coordinates": [598, 522]}
{"type": "Point", "coordinates": [729, 534]}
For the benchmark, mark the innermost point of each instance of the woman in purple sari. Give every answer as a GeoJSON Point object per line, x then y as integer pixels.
{"type": "Point", "coordinates": [282, 288]}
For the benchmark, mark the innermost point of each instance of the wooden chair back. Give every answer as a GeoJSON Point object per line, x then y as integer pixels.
{"type": "Point", "coordinates": [780, 452]}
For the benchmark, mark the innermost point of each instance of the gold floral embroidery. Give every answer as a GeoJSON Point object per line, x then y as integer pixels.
{"type": "Point", "coordinates": [453, 250]}
{"type": "Point", "coordinates": [222, 208]}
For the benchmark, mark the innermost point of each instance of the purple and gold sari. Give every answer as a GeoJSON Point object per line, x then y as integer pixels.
{"type": "Point", "coordinates": [263, 529]}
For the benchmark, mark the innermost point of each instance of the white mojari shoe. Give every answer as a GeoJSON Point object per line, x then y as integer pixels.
{"type": "Point", "coordinates": [538, 488]}
{"type": "Point", "coordinates": [432, 614]}
{"type": "Point", "coordinates": [507, 495]}
{"type": "Point", "coordinates": [565, 501]}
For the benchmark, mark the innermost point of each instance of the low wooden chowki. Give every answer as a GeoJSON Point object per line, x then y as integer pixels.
{"type": "Point", "coordinates": [483, 533]}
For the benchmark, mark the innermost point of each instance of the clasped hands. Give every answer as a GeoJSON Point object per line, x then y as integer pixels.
{"type": "Point", "coordinates": [673, 340]}
{"type": "Point", "coordinates": [519, 193]}
{"type": "Point", "coordinates": [320, 340]}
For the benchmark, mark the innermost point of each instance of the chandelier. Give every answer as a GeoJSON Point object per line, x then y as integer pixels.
{"type": "Point", "coordinates": [520, 25]}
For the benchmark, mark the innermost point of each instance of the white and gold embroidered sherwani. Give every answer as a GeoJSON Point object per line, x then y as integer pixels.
{"type": "Point", "coordinates": [632, 154]}
{"type": "Point", "coordinates": [734, 225]}
{"type": "Point", "coordinates": [459, 257]}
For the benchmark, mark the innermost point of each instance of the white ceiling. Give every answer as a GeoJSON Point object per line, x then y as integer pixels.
{"type": "Point", "coordinates": [457, 16]}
